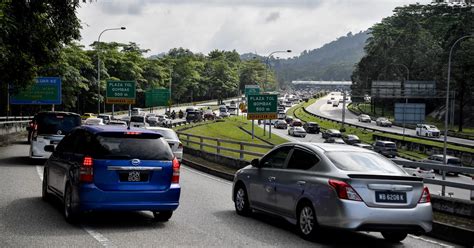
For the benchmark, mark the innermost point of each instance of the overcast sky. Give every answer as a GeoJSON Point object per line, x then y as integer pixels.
{"type": "Point", "coordinates": [260, 26]}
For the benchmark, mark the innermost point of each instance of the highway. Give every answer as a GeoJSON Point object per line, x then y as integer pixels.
{"type": "Point", "coordinates": [322, 108]}
{"type": "Point", "coordinates": [205, 218]}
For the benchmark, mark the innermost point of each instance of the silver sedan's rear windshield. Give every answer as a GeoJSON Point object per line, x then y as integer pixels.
{"type": "Point", "coordinates": [363, 162]}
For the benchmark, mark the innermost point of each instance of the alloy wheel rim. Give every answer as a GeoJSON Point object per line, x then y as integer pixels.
{"type": "Point", "coordinates": [306, 220]}
{"type": "Point", "coordinates": [240, 199]}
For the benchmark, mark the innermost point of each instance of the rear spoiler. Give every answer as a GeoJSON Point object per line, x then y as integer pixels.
{"type": "Point", "coordinates": [400, 178]}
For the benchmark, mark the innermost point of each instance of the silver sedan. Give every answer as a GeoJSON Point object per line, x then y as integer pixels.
{"type": "Point", "coordinates": [316, 185]}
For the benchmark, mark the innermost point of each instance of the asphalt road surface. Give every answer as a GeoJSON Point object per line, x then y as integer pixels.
{"type": "Point", "coordinates": [205, 218]}
{"type": "Point", "coordinates": [322, 108]}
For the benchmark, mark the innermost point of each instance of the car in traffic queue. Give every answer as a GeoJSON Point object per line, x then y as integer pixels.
{"type": "Point", "coordinates": [450, 161]}
{"type": "Point", "coordinates": [297, 132]}
{"type": "Point", "coordinates": [172, 138]}
{"type": "Point", "coordinates": [351, 139]}
{"type": "Point", "coordinates": [94, 121]}
{"type": "Point", "coordinates": [289, 119]}
{"type": "Point", "coordinates": [87, 115]}
{"type": "Point", "coordinates": [364, 118]}
{"type": "Point", "coordinates": [312, 127]}
{"type": "Point", "coordinates": [49, 128]}
{"type": "Point", "coordinates": [364, 145]}
{"type": "Point", "coordinates": [386, 148]}
{"type": "Point", "coordinates": [137, 111]}
{"type": "Point", "coordinates": [427, 130]}
{"type": "Point", "coordinates": [331, 133]}
{"type": "Point", "coordinates": [296, 123]}
{"type": "Point", "coordinates": [334, 140]}
{"type": "Point", "coordinates": [317, 185]}
{"type": "Point", "coordinates": [383, 122]}
{"type": "Point", "coordinates": [281, 124]}
{"type": "Point", "coordinates": [194, 116]}
{"type": "Point", "coordinates": [329, 101]}
{"type": "Point", "coordinates": [106, 118]}
{"type": "Point", "coordinates": [138, 121]}
{"type": "Point", "coordinates": [109, 168]}
{"type": "Point", "coordinates": [335, 103]}
{"type": "Point", "coordinates": [420, 172]}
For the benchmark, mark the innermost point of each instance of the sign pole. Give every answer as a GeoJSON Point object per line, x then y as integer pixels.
{"type": "Point", "coordinates": [404, 109]}
{"type": "Point", "coordinates": [130, 110]}
{"type": "Point", "coordinates": [264, 127]}
{"type": "Point", "coordinates": [253, 124]}
{"type": "Point", "coordinates": [8, 101]}
{"type": "Point", "coordinates": [113, 110]}
{"type": "Point", "coordinates": [52, 107]}
{"type": "Point", "coordinates": [270, 130]}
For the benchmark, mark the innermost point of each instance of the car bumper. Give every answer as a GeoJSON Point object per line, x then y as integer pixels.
{"type": "Point", "coordinates": [93, 198]}
{"type": "Point", "coordinates": [353, 215]}
{"type": "Point", "coordinates": [37, 151]}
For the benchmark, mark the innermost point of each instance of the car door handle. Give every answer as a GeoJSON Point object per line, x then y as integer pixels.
{"type": "Point", "coordinates": [271, 179]}
{"type": "Point", "coordinates": [301, 183]}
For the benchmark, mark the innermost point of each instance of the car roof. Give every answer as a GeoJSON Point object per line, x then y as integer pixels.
{"type": "Point", "coordinates": [112, 129]}
{"type": "Point", "coordinates": [329, 147]}
{"type": "Point", "coordinates": [385, 141]}
{"type": "Point", "coordinates": [57, 112]}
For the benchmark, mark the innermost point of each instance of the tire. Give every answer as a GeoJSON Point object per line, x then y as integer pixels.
{"type": "Point", "coordinates": [45, 196]}
{"type": "Point", "coordinates": [306, 221]}
{"type": "Point", "coordinates": [70, 214]}
{"type": "Point", "coordinates": [162, 216]}
{"type": "Point", "coordinates": [417, 133]}
{"type": "Point", "coordinates": [394, 237]}
{"type": "Point", "coordinates": [241, 201]}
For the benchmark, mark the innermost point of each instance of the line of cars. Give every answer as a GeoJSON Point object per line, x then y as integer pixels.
{"type": "Point", "coordinates": [425, 130]}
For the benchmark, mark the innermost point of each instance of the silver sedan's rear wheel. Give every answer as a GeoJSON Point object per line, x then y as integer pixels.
{"type": "Point", "coordinates": [307, 223]}
{"type": "Point", "coordinates": [241, 202]}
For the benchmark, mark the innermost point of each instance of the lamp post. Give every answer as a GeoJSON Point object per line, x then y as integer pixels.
{"type": "Point", "coordinates": [266, 78]}
{"type": "Point", "coordinates": [98, 66]}
{"type": "Point", "coordinates": [447, 106]}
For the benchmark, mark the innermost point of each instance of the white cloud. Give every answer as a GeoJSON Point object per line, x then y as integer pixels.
{"type": "Point", "coordinates": [244, 25]}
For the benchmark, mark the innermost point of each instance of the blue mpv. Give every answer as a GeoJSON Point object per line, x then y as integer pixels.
{"type": "Point", "coordinates": [113, 168]}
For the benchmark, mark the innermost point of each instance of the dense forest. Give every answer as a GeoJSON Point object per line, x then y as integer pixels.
{"type": "Point", "coordinates": [415, 42]}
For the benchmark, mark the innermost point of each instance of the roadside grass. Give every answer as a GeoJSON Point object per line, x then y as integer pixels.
{"type": "Point", "coordinates": [228, 129]}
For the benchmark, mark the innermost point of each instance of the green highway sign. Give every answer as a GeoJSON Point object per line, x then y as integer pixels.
{"type": "Point", "coordinates": [251, 90]}
{"type": "Point", "coordinates": [262, 107]}
{"type": "Point", "coordinates": [157, 97]}
{"type": "Point", "coordinates": [46, 90]}
{"type": "Point", "coordinates": [120, 92]}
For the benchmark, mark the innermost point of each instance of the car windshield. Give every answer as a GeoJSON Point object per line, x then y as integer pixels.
{"type": "Point", "coordinates": [52, 123]}
{"type": "Point", "coordinates": [363, 162]}
{"type": "Point", "coordinates": [144, 147]}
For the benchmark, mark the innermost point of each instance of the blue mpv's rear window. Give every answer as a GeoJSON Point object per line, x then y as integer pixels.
{"type": "Point", "coordinates": [144, 147]}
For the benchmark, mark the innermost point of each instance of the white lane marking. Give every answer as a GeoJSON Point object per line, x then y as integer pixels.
{"type": "Point", "coordinates": [430, 241]}
{"type": "Point", "coordinates": [99, 237]}
{"type": "Point", "coordinates": [96, 235]}
{"type": "Point", "coordinates": [206, 175]}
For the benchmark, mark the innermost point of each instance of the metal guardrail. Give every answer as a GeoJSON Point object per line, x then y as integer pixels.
{"type": "Point", "coordinates": [15, 118]}
{"type": "Point", "coordinates": [219, 146]}
{"type": "Point", "coordinates": [243, 145]}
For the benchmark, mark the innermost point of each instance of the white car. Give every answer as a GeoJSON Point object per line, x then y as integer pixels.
{"type": "Point", "coordinates": [49, 128]}
{"type": "Point", "coordinates": [94, 122]}
{"type": "Point", "coordinates": [364, 118]}
{"type": "Point", "coordinates": [138, 121]}
{"type": "Point", "coordinates": [297, 131]}
{"type": "Point", "coordinates": [172, 138]}
{"type": "Point", "coordinates": [427, 130]}
{"type": "Point", "coordinates": [420, 172]}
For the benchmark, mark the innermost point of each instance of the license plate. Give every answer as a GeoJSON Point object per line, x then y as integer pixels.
{"type": "Point", "coordinates": [390, 197]}
{"type": "Point", "coordinates": [133, 176]}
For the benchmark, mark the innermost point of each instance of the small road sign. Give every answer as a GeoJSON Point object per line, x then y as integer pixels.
{"type": "Point", "coordinates": [120, 92]}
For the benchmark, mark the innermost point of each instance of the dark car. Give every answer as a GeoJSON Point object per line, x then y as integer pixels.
{"type": "Point", "coordinates": [296, 123]}
{"type": "Point", "coordinates": [289, 119]}
{"type": "Point", "coordinates": [312, 127]}
{"type": "Point", "coordinates": [331, 133]}
{"type": "Point", "coordinates": [351, 139]}
{"type": "Point", "coordinates": [113, 168]}
{"type": "Point", "coordinates": [334, 140]}
{"type": "Point", "coordinates": [281, 124]}
{"type": "Point", "coordinates": [386, 148]}
{"type": "Point", "coordinates": [194, 116]}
